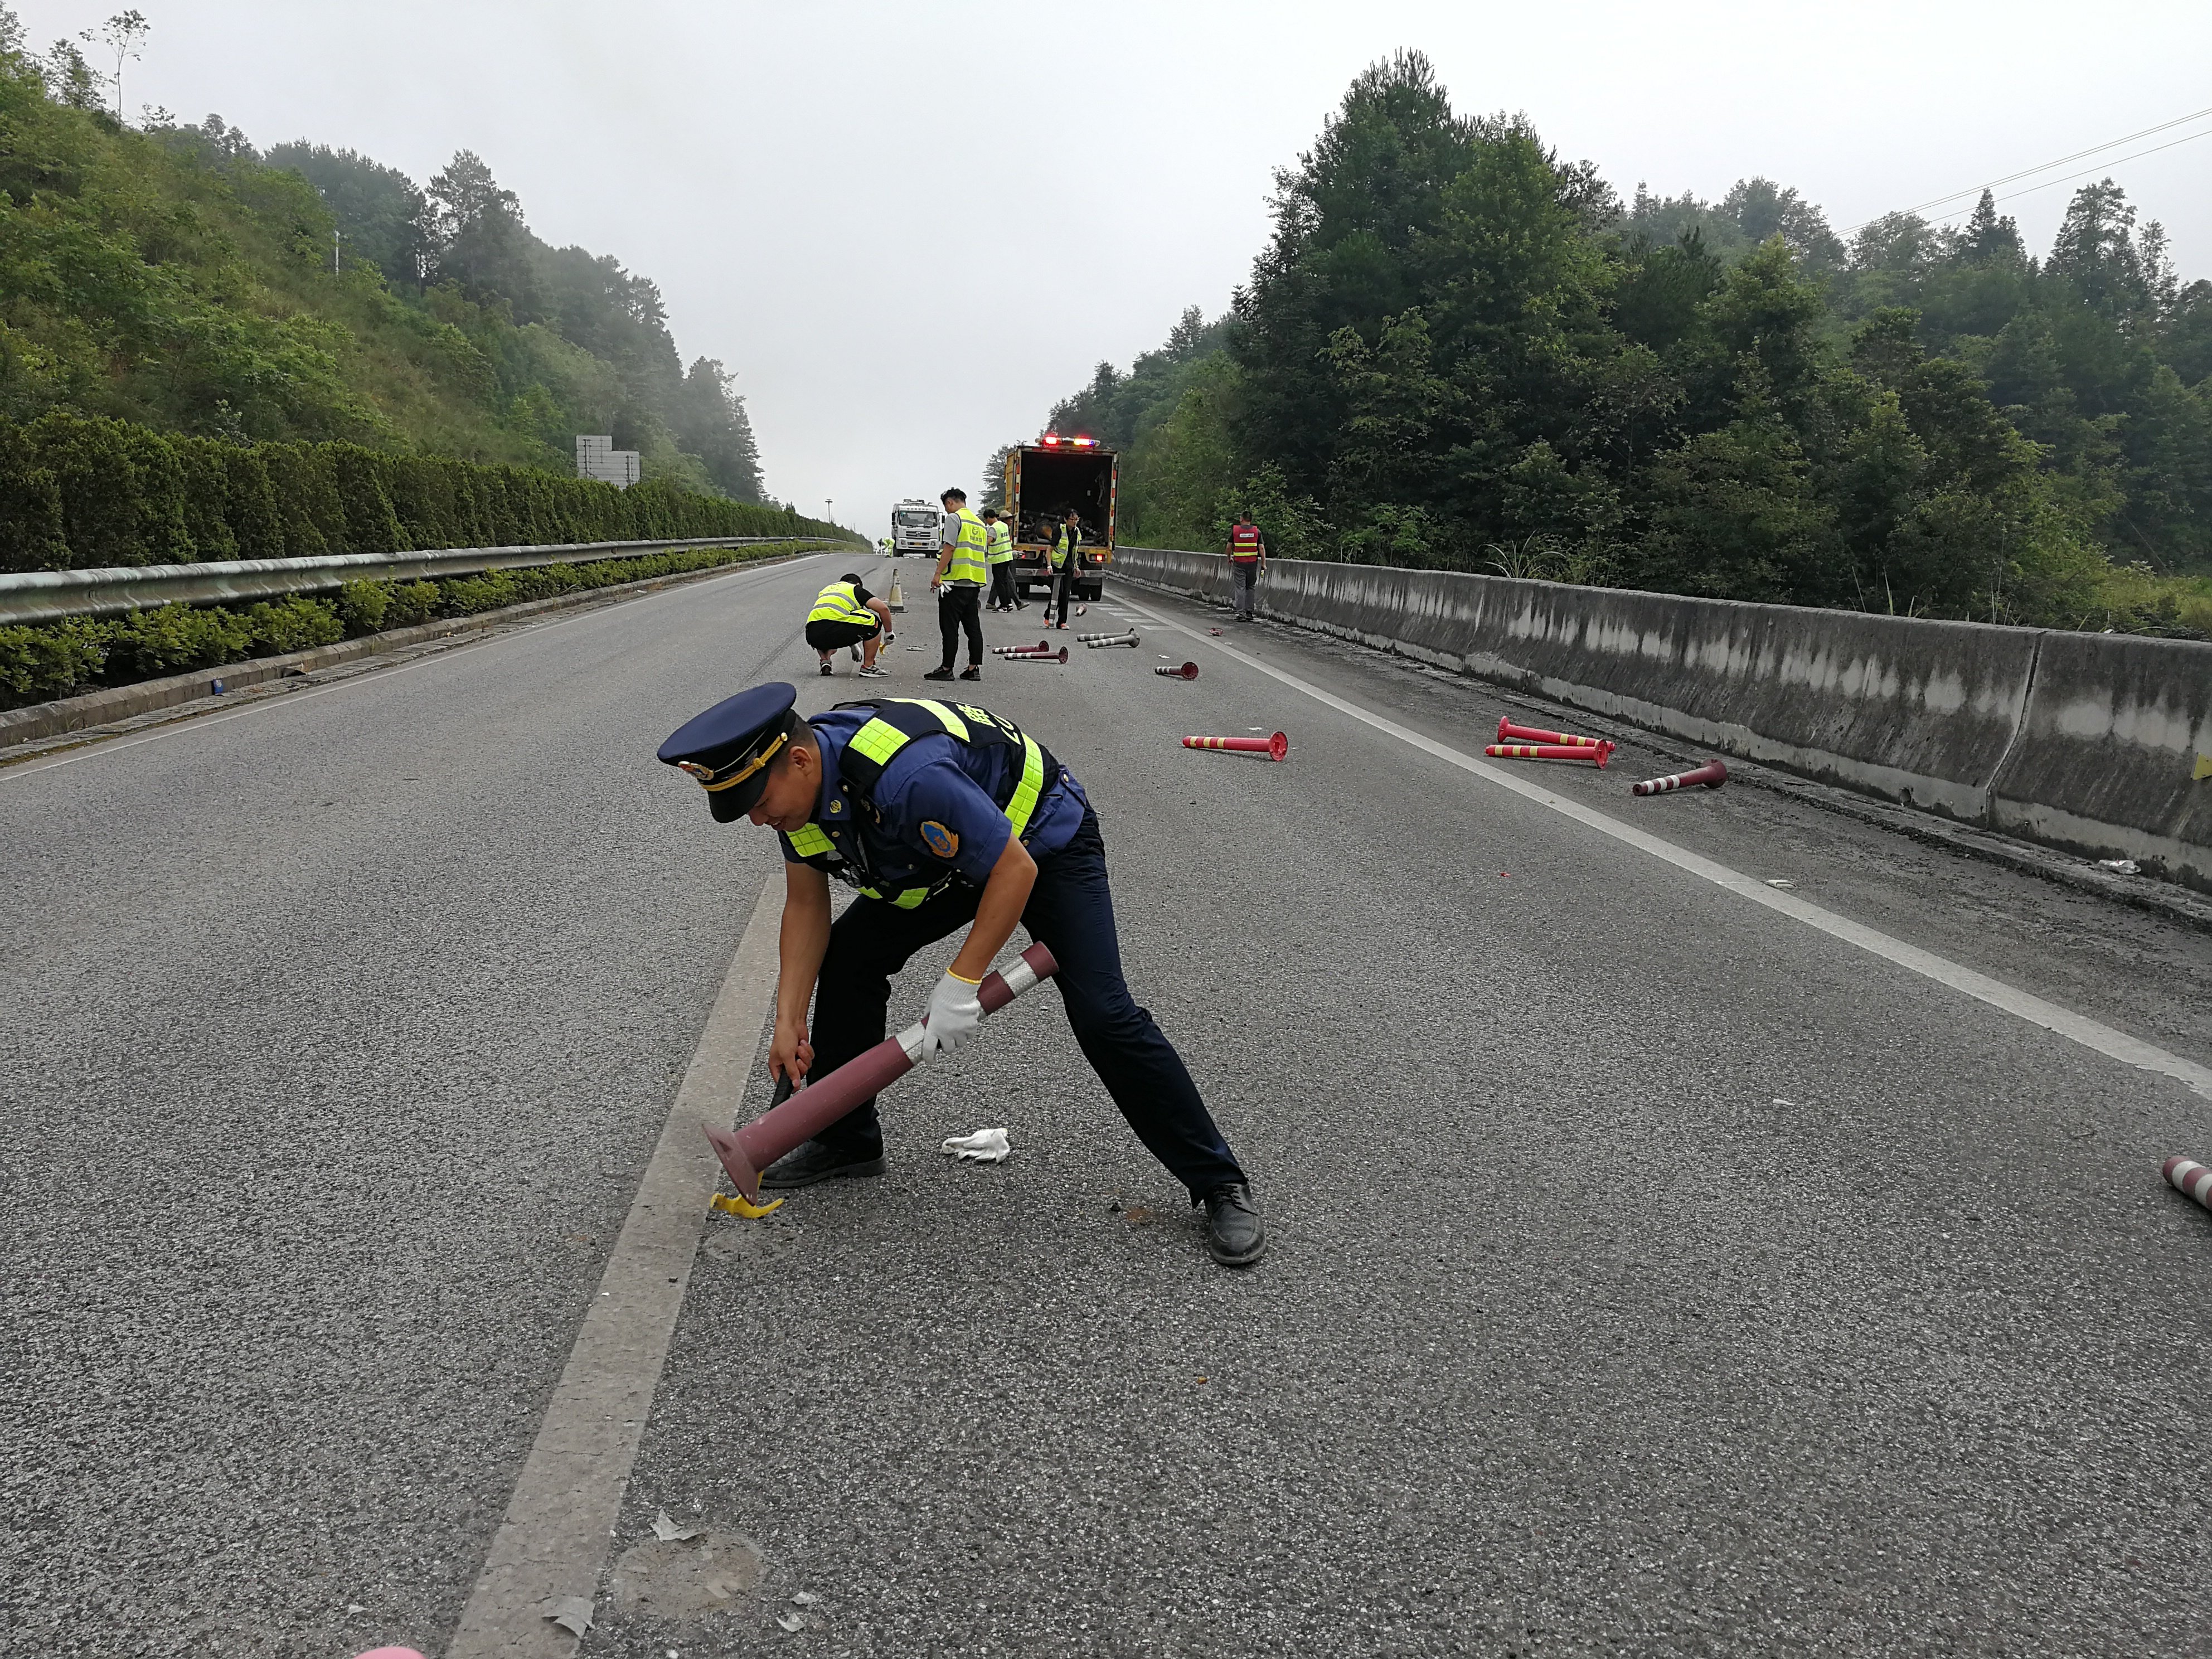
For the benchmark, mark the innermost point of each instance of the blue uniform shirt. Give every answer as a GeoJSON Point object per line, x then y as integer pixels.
{"type": "Point", "coordinates": [938, 802]}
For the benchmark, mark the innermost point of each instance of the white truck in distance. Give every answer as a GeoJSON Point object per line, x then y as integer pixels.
{"type": "Point", "coordinates": [913, 528]}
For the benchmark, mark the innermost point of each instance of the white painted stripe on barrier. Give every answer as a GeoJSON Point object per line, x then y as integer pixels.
{"type": "Point", "coordinates": [2022, 1005]}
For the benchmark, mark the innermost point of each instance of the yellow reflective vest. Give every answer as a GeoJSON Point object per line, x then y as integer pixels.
{"type": "Point", "coordinates": [966, 564]}
{"type": "Point", "coordinates": [1002, 544]}
{"type": "Point", "coordinates": [897, 722]}
{"type": "Point", "coordinates": [841, 602]}
{"type": "Point", "coordinates": [1068, 539]}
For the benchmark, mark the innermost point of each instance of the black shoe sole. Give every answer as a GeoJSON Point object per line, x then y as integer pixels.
{"type": "Point", "coordinates": [1258, 1254]}
{"type": "Point", "coordinates": [866, 1166]}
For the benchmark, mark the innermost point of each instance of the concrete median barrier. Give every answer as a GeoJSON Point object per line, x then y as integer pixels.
{"type": "Point", "coordinates": [2082, 741]}
{"type": "Point", "coordinates": [2106, 754]}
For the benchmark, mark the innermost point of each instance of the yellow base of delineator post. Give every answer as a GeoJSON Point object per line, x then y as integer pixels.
{"type": "Point", "coordinates": [736, 1205]}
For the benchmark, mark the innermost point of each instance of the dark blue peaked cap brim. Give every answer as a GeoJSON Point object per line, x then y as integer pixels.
{"type": "Point", "coordinates": [725, 737]}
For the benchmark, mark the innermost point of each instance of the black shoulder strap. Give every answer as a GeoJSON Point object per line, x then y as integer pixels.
{"type": "Point", "coordinates": [897, 720]}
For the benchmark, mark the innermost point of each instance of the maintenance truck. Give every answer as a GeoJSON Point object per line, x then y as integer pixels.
{"type": "Point", "coordinates": [1044, 480]}
{"type": "Point", "coordinates": [913, 528]}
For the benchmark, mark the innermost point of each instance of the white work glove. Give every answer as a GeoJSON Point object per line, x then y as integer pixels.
{"type": "Point", "coordinates": [954, 1012]}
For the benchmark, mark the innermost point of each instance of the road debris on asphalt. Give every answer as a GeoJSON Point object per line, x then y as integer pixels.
{"type": "Point", "coordinates": [571, 1612]}
{"type": "Point", "coordinates": [2120, 866]}
{"type": "Point", "coordinates": [678, 1581]}
{"type": "Point", "coordinates": [984, 1147]}
{"type": "Point", "coordinates": [1777, 881]}
{"type": "Point", "coordinates": [671, 1532]}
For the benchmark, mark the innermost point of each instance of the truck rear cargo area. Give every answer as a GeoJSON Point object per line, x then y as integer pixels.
{"type": "Point", "coordinates": [1045, 483]}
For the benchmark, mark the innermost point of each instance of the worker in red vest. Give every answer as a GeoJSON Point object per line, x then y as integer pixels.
{"type": "Point", "coordinates": [1248, 557]}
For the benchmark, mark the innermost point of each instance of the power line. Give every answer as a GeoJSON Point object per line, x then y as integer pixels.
{"type": "Point", "coordinates": [2029, 173]}
{"type": "Point", "coordinates": [2070, 177]}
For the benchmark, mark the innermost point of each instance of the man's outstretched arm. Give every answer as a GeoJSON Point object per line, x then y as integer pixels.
{"type": "Point", "coordinates": [800, 947]}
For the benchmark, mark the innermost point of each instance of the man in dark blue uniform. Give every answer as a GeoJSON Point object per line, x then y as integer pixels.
{"type": "Point", "coordinates": [944, 816]}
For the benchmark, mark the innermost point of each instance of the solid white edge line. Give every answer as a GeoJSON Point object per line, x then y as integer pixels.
{"type": "Point", "coordinates": [2023, 1005]}
{"type": "Point", "coordinates": [555, 1536]}
{"type": "Point", "coordinates": [184, 723]}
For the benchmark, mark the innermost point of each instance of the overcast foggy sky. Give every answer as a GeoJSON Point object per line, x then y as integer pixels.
{"type": "Point", "coordinates": [908, 229]}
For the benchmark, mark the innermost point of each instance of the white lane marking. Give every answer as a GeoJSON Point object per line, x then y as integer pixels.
{"type": "Point", "coordinates": [554, 1540]}
{"type": "Point", "coordinates": [201, 722]}
{"type": "Point", "coordinates": [2023, 1005]}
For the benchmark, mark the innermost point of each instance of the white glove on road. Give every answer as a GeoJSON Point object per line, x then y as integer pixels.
{"type": "Point", "coordinates": [954, 1014]}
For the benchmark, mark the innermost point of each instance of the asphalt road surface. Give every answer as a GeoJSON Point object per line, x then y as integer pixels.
{"type": "Point", "coordinates": [1653, 1273]}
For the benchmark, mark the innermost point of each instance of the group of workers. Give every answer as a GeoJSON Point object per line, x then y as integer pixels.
{"type": "Point", "coordinates": [945, 815]}
{"type": "Point", "coordinates": [976, 551]}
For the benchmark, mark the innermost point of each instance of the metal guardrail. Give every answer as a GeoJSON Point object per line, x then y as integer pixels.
{"type": "Point", "coordinates": [28, 596]}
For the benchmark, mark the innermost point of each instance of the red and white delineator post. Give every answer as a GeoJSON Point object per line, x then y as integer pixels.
{"type": "Point", "coordinates": [1712, 774]}
{"type": "Point", "coordinates": [1041, 655]}
{"type": "Point", "coordinates": [1273, 748]}
{"type": "Point", "coordinates": [1187, 671]}
{"type": "Point", "coordinates": [815, 1108]}
{"type": "Point", "coordinates": [2186, 1175]}
{"type": "Point", "coordinates": [1508, 732]}
{"type": "Point", "coordinates": [1599, 752]}
{"type": "Point", "coordinates": [1094, 640]}
{"type": "Point", "coordinates": [1015, 650]}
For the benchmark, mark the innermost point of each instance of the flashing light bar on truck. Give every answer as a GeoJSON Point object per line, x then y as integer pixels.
{"type": "Point", "coordinates": [1053, 440]}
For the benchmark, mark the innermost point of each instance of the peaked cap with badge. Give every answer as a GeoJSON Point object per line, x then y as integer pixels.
{"type": "Point", "coordinates": [729, 748]}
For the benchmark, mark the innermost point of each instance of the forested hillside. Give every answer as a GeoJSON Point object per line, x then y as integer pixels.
{"type": "Point", "coordinates": [175, 278]}
{"type": "Point", "coordinates": [1459, 350]}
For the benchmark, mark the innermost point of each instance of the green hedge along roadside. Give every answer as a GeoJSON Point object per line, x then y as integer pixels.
{"type": "Point", "coordinates": [80, 493]}
{"type": "Point", "coordinates": [41, 661]}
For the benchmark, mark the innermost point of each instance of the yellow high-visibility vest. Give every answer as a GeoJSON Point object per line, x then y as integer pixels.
{"type": "Point", "coordinates": [968, 554]}
{"type": "Point", "coordinates": [1002, 544]}
{"type": "Point", "coordinates": [841, 602]}
{"type": "Point", "coordinates": [1068, 539]}
{"type": "Point", "coordinates": [897, 722]}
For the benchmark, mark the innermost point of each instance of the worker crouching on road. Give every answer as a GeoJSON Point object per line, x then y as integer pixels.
{"type": "Point", "coordinates": [944, 816]}
{"type": "Point", "coordinates": [1001, 558]}
{"type": "Point", "coordinates": [964, 544]}
{"type": "Point", "coordinates": [847, 616]}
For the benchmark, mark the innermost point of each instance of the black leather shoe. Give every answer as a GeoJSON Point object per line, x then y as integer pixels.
{"type": "Point", "coordinates": [1235, 1234]}
{"type": "Point", "coordinates": [938, 674]}
{"type": "Point", "coordinates": [811, 1161]}
{"type": "Point", "coordinates": [971, 672]}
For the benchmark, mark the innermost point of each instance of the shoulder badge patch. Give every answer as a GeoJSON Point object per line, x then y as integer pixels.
{"type": "Point", "coordinates": [940, 840]}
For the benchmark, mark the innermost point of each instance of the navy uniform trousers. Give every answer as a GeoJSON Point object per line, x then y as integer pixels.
{"type": "Point", "coordinates": [1070, 913]}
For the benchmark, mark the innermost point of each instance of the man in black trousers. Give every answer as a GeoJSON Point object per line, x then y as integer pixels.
{"type": "Point", "coordinates": [964, 544]}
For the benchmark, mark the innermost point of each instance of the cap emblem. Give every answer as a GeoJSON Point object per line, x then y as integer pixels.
{"type": "Point", "coordinates": [717, 784]}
